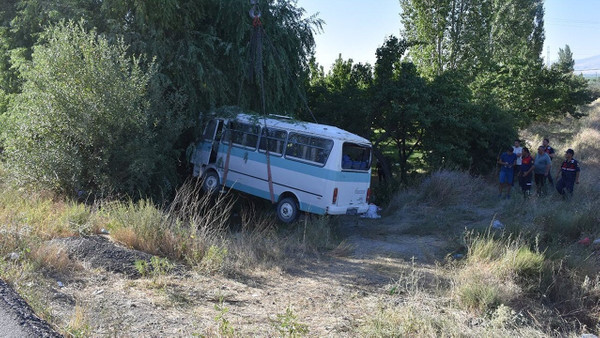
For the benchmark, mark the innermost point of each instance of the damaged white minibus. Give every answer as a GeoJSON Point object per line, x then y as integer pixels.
{"type": "Point", "coordinates": [300, 166]}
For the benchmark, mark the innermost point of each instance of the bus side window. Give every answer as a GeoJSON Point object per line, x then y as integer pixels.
{"type": "Point", "coordinates": [219, 134]}
{"type": "Point", "coordinates": [346, 162]}
{"type": "Point", "coordinates": [355, 156]}
{"type": "Point", "coordinates": [244, 135]}
{"type": "Point", "coordinates": [309, 148]}
{"type": "Point", "coordinates": [272, 140]}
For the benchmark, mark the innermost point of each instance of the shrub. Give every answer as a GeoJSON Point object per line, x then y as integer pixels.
{"type": "Point", "coordinates": [84, 121]}
{"type": "Point", "coordinates": [475, 293]}
{"type": "Point", "coordinates": [140, 225]}
{"type": "Point", "coordinates": [485, 248]}
{"type": "Point", "coordinates": [287, 324]}
{"type": "Point", "coordinates": [54, 257]}
{"type": "Point", "coordinates": [214, 259]}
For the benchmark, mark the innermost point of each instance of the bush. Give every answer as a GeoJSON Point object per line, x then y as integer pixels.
{"type": "Point", "coordinates": [477, 294]}
{"type": "Point", "coordinates": [85, 120]}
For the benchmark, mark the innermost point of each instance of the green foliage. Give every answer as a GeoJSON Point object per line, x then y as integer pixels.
{"type": "Point", "coordinates": [478, 295]}
{"type": "Point", "coordinates": [568, 91]}
{"type": "Point", "coordinates": [214, 259]}
{"type": "Point", "coordinates": [340, 97]}
{"type": "Point", "coordinates": [439, 118]}
{"type": "Point", "coordinates": [287, 324]}
{"type": "Point", "coordinates": [225, 327]}
{"type": "Point", "coordinates": [401, 99]}
{"type": "Point", "coordinates": [565, 63]}
{"type": "Point", "coordinates": [84, 120]}
{"type": "Point", "coordinates": [198, 59]}
{"type": "Point", "coordinates": [156, 267]}
{"type": "Point", "coordinates": [507, 258]}
{"type": "Point", "coordinates": [498, 46]}
{"type": "Point", "coordinates": [464, 134]}
{"type": "Point", "coordinates": [471, 35]}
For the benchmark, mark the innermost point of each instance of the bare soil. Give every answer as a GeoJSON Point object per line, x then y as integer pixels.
{"type": "Point", "coordinates": [328, 295]}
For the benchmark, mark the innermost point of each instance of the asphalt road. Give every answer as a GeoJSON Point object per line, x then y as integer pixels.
{"type": "Point", "coordinates": [17, 318]}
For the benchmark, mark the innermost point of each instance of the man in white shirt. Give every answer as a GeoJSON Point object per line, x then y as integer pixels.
{"type": "Point", "coordinates": [517, 150]}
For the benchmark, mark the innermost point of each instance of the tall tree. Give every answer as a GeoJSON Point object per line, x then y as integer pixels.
{"type": "Point", "coordinates": [497, 43]}
{"type": "Point", "coordinates": [567, 90]}
{"type": "Point", "coordinates": [340, 97]}
{"type": "Point", "coordinates": [565, 63]}
{"type": "Point", "coordinates": [468, 34]}
{"type": "Point", "coordinates": [401, 103]}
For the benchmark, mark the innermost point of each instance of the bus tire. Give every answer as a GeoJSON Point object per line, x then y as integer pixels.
{"type": "Point", "coordinates": [287, 210]}
{"type": "Point", "coordinates": [210, 182]}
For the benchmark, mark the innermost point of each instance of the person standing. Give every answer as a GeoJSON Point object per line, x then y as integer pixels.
{"type": "Point", "coordinates": [526, 173]}
{"type": "Point", "coordinates": [541, 169]}
{"type": "Point", "coordinates": [550, 151]}
{"type": "Point", "coordinates": [518, 150]}
{"type": "Point", "coordinates": [569, 174]}
{"type": "Point", "coordinates": [507, 160]}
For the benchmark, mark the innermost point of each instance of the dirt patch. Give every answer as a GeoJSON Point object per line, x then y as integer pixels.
{"type": "Point", "coordinates": [330, 295]}
{"type": "Point", "coordinates": [380, 238]}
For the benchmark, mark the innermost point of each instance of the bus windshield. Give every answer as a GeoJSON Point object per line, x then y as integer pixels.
{"type": "Point", "coordinates": [356, 157]}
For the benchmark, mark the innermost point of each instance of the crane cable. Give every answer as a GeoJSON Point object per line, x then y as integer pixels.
{"type": "Point", "coordinates": [256, 50]}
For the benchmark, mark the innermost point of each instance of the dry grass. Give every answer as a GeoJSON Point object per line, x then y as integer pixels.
{"type": "Point", "coordinates": [79, 325]}
{"type": "Point", "coordinates": [444, 188]}
{"type": "Point", "coordinates": [53, 257]}
{"type": "Point", "coordinates": [425, 316]}
{"type": "Point", "coordinates": [531, 278]}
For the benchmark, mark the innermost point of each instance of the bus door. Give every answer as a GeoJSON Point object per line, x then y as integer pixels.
{"type": "Point", "coordinates": [210, 143]}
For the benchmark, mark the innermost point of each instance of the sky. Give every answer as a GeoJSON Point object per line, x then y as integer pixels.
{"type": "Point", "coordinates": [356, 28]}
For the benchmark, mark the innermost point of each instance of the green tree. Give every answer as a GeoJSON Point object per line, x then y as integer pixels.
{"type": "Point", "coordinates": [439, 119]}
{"type": "Point", "coordinates": [463, 134]}
{"type": "Point", "coordinates": [469, 35]}
{"type": "Point", "coordinates": [426, 24]}
{"type": "Point", "coordinates": [565, 63]}
{"type": "Point", "coordinates": [87, 118]}
{"type": "Point", "coordinates": [497, 44]}
{"type": "Point", "coordinates": [200, 51]}
{"type": "Point", "coordinates": [340, 97]}
{"type": "Point", "coordinates": [567, 90]}
{"type": "Point", "coordinates": [400, 103]}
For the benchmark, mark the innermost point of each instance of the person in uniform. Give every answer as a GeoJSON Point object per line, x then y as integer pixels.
{"type": "Point", "coordinates": [569, 174]}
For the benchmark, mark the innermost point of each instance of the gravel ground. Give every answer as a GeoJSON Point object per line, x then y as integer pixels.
{"type": "Point", "coordinates": [100, 252]}
{"type": "Point", "coordinates": [329, 295]}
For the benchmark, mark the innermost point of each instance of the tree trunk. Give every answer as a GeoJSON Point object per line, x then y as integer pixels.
{"type": "Point", "coordinates": [385, 165]}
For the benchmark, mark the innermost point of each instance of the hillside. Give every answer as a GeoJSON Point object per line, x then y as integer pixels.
{"type": "Point", "coordinates": [588, 66]}
{"type": "Point", "coordinates": [432, 265]}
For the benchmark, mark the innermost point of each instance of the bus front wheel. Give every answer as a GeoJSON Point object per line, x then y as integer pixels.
{"type": "Point", "coordinates": [287, 210]}
{"type": "Point", "coordinates": [210, 182]}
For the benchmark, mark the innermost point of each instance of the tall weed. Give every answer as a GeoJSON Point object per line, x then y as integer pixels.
{"type": "Point", "coordinates": [444, 188]}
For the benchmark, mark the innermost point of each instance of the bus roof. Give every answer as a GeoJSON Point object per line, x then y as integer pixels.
{"type": "Point", "coordinates": [304, 127]}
